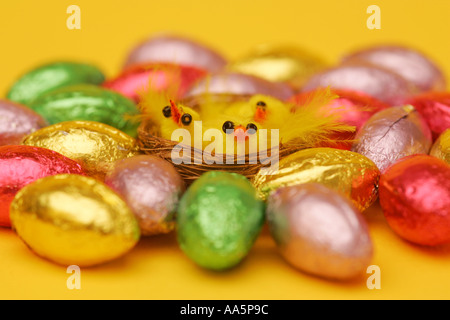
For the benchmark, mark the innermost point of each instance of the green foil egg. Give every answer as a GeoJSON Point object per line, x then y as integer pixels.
{"type": "Point", "coordinates": [51, 76]}
{"type": "Point", "coordinates": [219, 218]}
{"type": "Point", "coordinates": [87, 102]}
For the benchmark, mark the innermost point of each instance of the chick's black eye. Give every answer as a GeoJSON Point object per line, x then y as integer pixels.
{"type": "Point", "coordinates": [227, 125]}
{"type": "Point", "coordinates": [261, 104]}
{"type": "Point", "coordinates": [186, 119]}
{"type": "Point", "coordinates": [167, 112]}
{"type": "Point", "coordinates": [251, 126]}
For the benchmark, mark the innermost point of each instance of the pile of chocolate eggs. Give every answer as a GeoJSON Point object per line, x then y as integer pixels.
{"type": "Point", "coordinates": [77, 188]}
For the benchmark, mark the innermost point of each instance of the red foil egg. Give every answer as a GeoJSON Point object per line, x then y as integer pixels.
{"type": "Point", "coordinates": [377, 82]}
{"type": "Point", "coordinates": [17, 121]}
{"type": "Point", "coordinates": [415, 196]}
{"type": "Point", "coordinates": [21, 165]}
{"type": "Point", "coordinates": [176, 50]}
{"type": "Point", "coordinates": [435, 108]}
{"type": "Point", "coordinates": [137, 78]}
{"type": "Point", "coordinates": [240, 84]}
{"type": "Point", "coordinates": [414, 66]}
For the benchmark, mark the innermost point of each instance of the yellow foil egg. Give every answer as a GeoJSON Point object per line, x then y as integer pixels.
{"type": "Point", "coordinates": [96, 146]}
{"type": "Point", "coordinates": [347, 172]}
{"type": "Point", "coordinates": [74, 220]}
{"type": "Point", "coordinates": [280, 64]}
{"type": "Point", "coordinates": [441, 147]}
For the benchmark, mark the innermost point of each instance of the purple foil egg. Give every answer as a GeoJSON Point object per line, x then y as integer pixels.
{"type": "Point", "coordinates": [176, 50]}
{"type": "Point", "coordinates": [152, 188]}
{"type": "Point", "coordinates": [379, 83]}
{"type": "Point", "coordinates": [17, 121]}
{"type": "Point", "coordinates": [392, 134]}
{"type": "Point", "coordinates": [409, 63]}
{"type": "Point", "coordinates": [240, 84]}
{"type": "Point", "coordinates": [319, 231]}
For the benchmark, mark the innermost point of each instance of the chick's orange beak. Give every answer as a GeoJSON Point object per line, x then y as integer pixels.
{"type": "Point", "coordinates": [240, 133]}
{"type": "Point", "coordinates": [176, 114]}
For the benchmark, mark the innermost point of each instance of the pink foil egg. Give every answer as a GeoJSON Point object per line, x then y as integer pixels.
{"type": "Point", "coordinates": [379, 83]}
{"type": "Point", "coordinates": [319, 231]}
{"type": "Point", "coordinates": [152, 187]}
{"type": "Point", "coordinates": [240, 84]}
{"type": "Point", "coordinates": [177, 50]}
{"type": "Point", "coordinates": [21, 165]}
{"type": "Point", "coordinates": [138, 78]}
{"type": "Point", "coordinates": [414, 194]}
{"type": "Point", "coordinates": [392, 134]}
{"type": "Point", "coordinates": [17, 121]}
{"type": "Point", "coordinates": [411, 64]}
{"type": "Point", "coordinates": [435, 108]}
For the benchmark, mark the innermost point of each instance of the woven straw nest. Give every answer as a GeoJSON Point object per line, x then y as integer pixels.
{"type": "Point", "coordinates": [197, 164]}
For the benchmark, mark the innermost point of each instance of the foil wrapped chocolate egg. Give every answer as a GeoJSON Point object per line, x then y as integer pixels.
{"type": "Point", "coordinates": [96, 146]}
{"type": "Point", "coordinates": [287, 64]}
{"type": "Point", "coordinates": [136, 79]}
{"type": "Point", "coordinates": [347, 172]}
{"type": "Point", "coordinates": [441, 147]}
{"type": "Point", "coordinates": [415, 198]}
{"type": "Point", "coordinates": [151, 187]}
{"type": "Point", "coordinates": [87, 102]}
{"type": "Point", "coordinates": [392, 134]}
{"type": "Point", "coordinates": [177, 50]}
{"type": "Point", "coordinates": [52, 76]}
{"type": "Point", "coordinates": [74, 220]}
{"type": "Point", "coordinates": [233, 83]}
{"type": "Point", "coordinates": [319, 231]}
{"type": "Point", "coordinates": [413, 65]}
{"type": "Point", "coordinates": [16, 121]}
{"type": "Point", "coordinates": [379, 83]}
{"type": "Point", "coordinates": [219, 218]}
{"type": "Point", "coordinates": [21, 165]}
{"type": "Point", "coordinates": [435, 108]}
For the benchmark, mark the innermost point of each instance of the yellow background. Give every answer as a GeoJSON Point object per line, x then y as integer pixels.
{"type": "Point", "coordinates": [33, 32]}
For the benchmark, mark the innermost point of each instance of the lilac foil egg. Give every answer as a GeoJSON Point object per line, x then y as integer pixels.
{"type": "Point", "coordinates": [392, 134]}
{"type": "Point", "coordinates": [411, 64]}
{"type": "Point", "coordinates": [379, 83]}
{"type": "Point", "coordinates": [318, 231]}
{"type": "Point", "coordinates": [17, 121]}
{"type": "Point", "coordinates": [176, 50]}
{"type": "Point", "coordinates": [152, 188]}
{"type": "Point", "coordinates": [240, 84]}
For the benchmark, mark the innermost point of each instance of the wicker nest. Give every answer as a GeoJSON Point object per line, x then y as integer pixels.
{"type": "Point", "coordinates": [195, 163]}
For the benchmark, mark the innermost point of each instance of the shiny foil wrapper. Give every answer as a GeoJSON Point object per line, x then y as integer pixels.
{"type": "Point", "coordinates": [219, 218]}
{"type": "Point", "coordinates": [347, 172]}
{"type": "Point", "coordinates": [21, 165]}
{"type": "Point", "coordinates": [177, 50]}
{"type": "Point", "coordinates": [17, 121]}
{"type": "Point", "coordinates": [279, 64]}
{"type": "Point", "coordinates": [415, 197]}
{"type": "Point", "coordinates": [239, 84]}
{"type": "Point", "coordinates": [152, 188]}
{"type": "Point", "coordinates": [319, 231]}
{"type": "Point", "coordinates": [379, 83]}
{"type": "Point", "coordinates": [48, 77]}
{"type": "Point", "coordinates": [441, 148]}
{"type": "Point", "coordinates": [435, 108]}
{"type": "Point", "coordinates": [392, 134]}
{"type": "Point", "coordinates": [136, 79]}
{"type": "Point", "coordinates": [96, 146]}
{"type": "Point", "coordinates": [413, 65]}
{"type": "Point", "coordinates": [74, 220]}
{"type": "Point", "coordinates": [88, 102]}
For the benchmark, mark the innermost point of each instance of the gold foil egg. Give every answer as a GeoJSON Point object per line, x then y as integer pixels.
{"type": "Point", "coordinates": [72, 219]}
{"type": "Point", "coordinates": [441, 147]}
{"type": "Point", "coordinates": [347, 172]}
{"type": "Point", "coordinates": [280, 64]}
{"type": "Point", "coordinates": [96, 146]}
